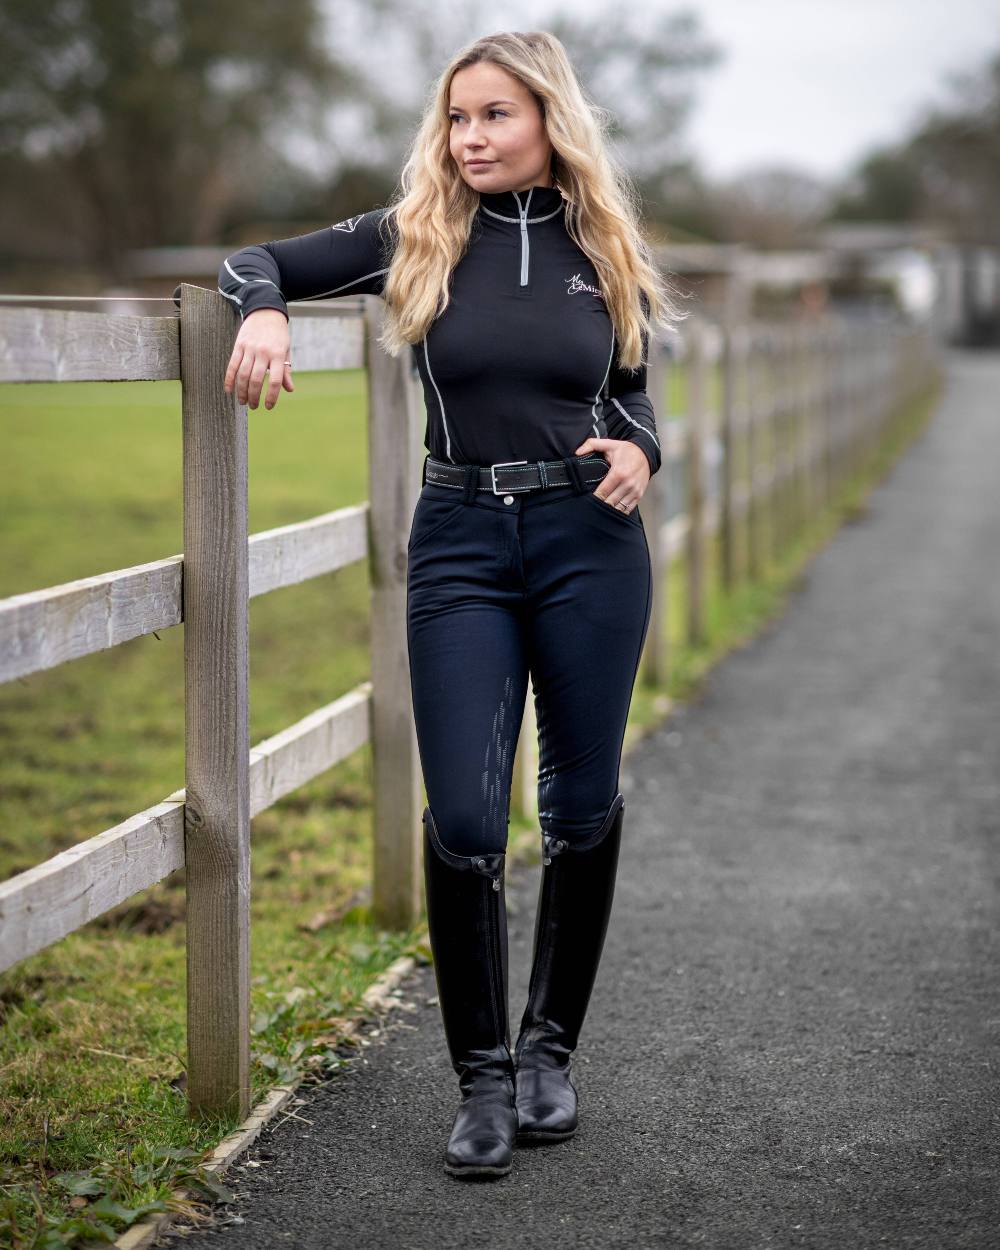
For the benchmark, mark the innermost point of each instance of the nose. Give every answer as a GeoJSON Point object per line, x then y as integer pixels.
{"type": "Point", "coordinates": [472, 140]}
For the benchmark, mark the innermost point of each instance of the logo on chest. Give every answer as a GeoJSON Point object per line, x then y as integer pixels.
{"type": "Point", "coordinates": [576, 283]}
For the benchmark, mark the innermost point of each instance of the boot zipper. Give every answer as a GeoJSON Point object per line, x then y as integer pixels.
{"type": "Point", "coordinates": [496, 975]}
{"type": "Point", "coordinates": [493, 939]}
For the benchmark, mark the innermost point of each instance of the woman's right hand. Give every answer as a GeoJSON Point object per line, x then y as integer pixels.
{"type": "Point", "coordinates": [262, 346]}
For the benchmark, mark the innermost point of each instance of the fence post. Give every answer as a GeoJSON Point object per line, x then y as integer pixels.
{"type": "Point", "coordinates": [655, 661]}
{"type": "Point", "coordinates": [394, 460]}
{"type": "Point", "coordinates": [772, 357]}
{"type": "Point", "coordinates": [216, 712]}
{"type": "Point", "coordinates": [733, 356]}
{"type": "Point", "coordinates": [755, 407]}
{"type": "Point", "coordinates": [696, 421]}
{"type": "Point", "coordinates": [839, 396]}
{"type": "Point", "coordinates": [803, 429]}
{"type": "Point", "coordinates": [786, 404]}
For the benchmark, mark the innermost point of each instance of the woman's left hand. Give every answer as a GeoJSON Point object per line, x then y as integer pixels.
{"type": "Point", "coordinates": [627, 479]}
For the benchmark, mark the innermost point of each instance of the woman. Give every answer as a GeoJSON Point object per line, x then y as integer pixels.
{"type": "Point", "coordinates": [513, 265]}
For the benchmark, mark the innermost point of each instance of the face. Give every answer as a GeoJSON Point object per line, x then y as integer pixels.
{"type": "Point", "coordinates": [496, 119]}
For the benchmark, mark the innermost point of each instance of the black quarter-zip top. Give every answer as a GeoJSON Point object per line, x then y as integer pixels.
{"type": "Point", "coordinates": [521, 364]}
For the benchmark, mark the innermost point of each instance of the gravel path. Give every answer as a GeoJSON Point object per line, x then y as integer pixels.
{"type": "Point", "coordinates": [793, 1037]}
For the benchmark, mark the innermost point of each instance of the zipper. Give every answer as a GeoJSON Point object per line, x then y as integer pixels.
{"type": "Point", "coordinates": [524, 233]}
{"type": "Point", "coordinates": [496, 972]}
{"type": "Point", "coordinates": [540, 956]}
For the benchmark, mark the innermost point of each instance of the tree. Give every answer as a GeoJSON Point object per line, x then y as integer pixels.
{"type": "Point", "coordinates": [884, 187]}
{"type": "Point", "coordinates": [957, 150]}
{"type": "Point", "coordinates": [156, 113]}
{"type": "Point", "coordinates": [947, 170]}
{"type": "Point", "coordinates": [772, 206]}
{"type": "Point", "coordinates": [641, 67]}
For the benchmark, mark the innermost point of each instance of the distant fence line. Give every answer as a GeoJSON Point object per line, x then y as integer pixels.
{"type": "Point", "coordinates": [794, 409]}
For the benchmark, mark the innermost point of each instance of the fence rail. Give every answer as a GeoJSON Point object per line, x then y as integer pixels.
{"type": "Point", "coordinates": [775, 417]}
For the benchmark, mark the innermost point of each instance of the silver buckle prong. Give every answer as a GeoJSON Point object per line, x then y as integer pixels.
{"type": "Point", "coordinates": [499, 465]}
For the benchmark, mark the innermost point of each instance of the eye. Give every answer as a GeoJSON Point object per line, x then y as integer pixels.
{"type": "Point", "coordinates": [456, 117]}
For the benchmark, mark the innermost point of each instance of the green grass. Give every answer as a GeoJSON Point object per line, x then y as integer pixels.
{"type": "Point", "coordinates": [94, 475]}
{"type": "Point", "coordinates": [92, 1030]}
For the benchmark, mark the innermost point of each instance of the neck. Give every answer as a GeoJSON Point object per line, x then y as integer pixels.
{"type": "Point", "coordinates": [537, 200]}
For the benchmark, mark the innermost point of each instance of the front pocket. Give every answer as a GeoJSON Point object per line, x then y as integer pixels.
{"type": "Point", "coordinates": [629, 518]}
{"type": "Point", "coordinates": [428, 517]}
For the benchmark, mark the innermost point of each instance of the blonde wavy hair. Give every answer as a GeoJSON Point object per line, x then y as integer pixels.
{"type": "Point", "coordinates": [432, 213]}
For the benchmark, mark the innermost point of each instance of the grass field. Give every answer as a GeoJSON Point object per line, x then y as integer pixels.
{"type": "Point", "coordinates": [92, 1030]}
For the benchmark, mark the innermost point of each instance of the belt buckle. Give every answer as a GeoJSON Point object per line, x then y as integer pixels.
{"type": "Point", "coordinates": [499, 465]}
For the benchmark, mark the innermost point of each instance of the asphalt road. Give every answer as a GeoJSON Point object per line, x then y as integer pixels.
{"type": "Point", "coordinates": [793, 1037]}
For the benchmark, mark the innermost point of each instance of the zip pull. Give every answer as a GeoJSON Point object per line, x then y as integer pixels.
{"type": "Point", "coordinates": [481, 865]}
{"type": "Point", "coordinates": [553, 846]}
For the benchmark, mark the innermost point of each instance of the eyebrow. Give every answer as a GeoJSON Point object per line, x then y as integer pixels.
{"type": "Point", "coordinates": [485, 106]}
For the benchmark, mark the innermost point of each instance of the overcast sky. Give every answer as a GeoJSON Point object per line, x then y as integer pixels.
{"type": "Point", "coordinates": [814, 82]}
{"type": "Point", "coordinates": [817, 81]}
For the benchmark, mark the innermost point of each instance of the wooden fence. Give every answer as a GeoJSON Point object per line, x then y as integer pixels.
{"type": "Point", "coordinates": [797, 408]}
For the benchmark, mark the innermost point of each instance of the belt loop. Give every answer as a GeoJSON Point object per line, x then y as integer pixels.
{"type": "Point", "coordinates": [471, 483]}
{"type": "Point", "coordinates": [543, 474]}
{"type": "Point", "coordinates": [573, 469]}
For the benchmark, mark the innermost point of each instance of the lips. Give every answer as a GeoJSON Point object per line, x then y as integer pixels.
{"type": "Point", "coordinates": [479, 164]}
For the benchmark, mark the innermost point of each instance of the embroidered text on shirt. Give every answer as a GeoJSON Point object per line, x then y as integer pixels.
{"type": "Point", "coordinates": [576, 283]}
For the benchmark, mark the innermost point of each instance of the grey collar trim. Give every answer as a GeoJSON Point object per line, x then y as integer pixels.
{"type": "Point", "coordinates": [517, 220]}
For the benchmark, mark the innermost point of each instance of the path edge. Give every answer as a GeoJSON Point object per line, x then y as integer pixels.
{"type": "Point", "coordinates": [376, 1001]}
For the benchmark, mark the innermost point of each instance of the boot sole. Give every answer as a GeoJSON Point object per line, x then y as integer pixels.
{"type": "Point", "coordinates": [477, 1170]}
{"type": "Point", "coordinates": [542, 1135]}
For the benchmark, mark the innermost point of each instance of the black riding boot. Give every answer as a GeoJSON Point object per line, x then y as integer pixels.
{"type": "Point", "coordinates": [574, 906]}
{"type": "Point", "coordinates": [467, 922]}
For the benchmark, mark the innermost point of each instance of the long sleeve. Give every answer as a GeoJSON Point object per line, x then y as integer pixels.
{"type": "Point", "coordinates": [628, 410]}
{"type": "Point", "coordinates": [349, 258]}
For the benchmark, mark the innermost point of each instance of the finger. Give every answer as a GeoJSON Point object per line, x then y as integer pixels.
{"type": "Point", "coordinates": [613, 501]}
{"type": "Point", "coordinates": [611, 492]}
{"type": "Point", "coordinates": [276, 376]}
{"type": "Point", "coordinates": [620, 491]}
{"type": "Point", "coordinates": [256, 381]}
{"type": "Point", "coordinates": [234, 363]}
{"type": "Point", "coordinates": [286, 381]}
{"type": "Point", "coordinates": [243, 376]}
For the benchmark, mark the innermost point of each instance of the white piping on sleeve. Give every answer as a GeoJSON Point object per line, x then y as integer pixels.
{"type": "Point", "coordinates": [233, 271]}
{"type": "Point", "coordinates": [353, 282]}
{"type": "Point", "coordinates": [637, 424]}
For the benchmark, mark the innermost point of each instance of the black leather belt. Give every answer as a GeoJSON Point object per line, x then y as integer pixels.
{"type": "Point", "coordinates": [517, 476]}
